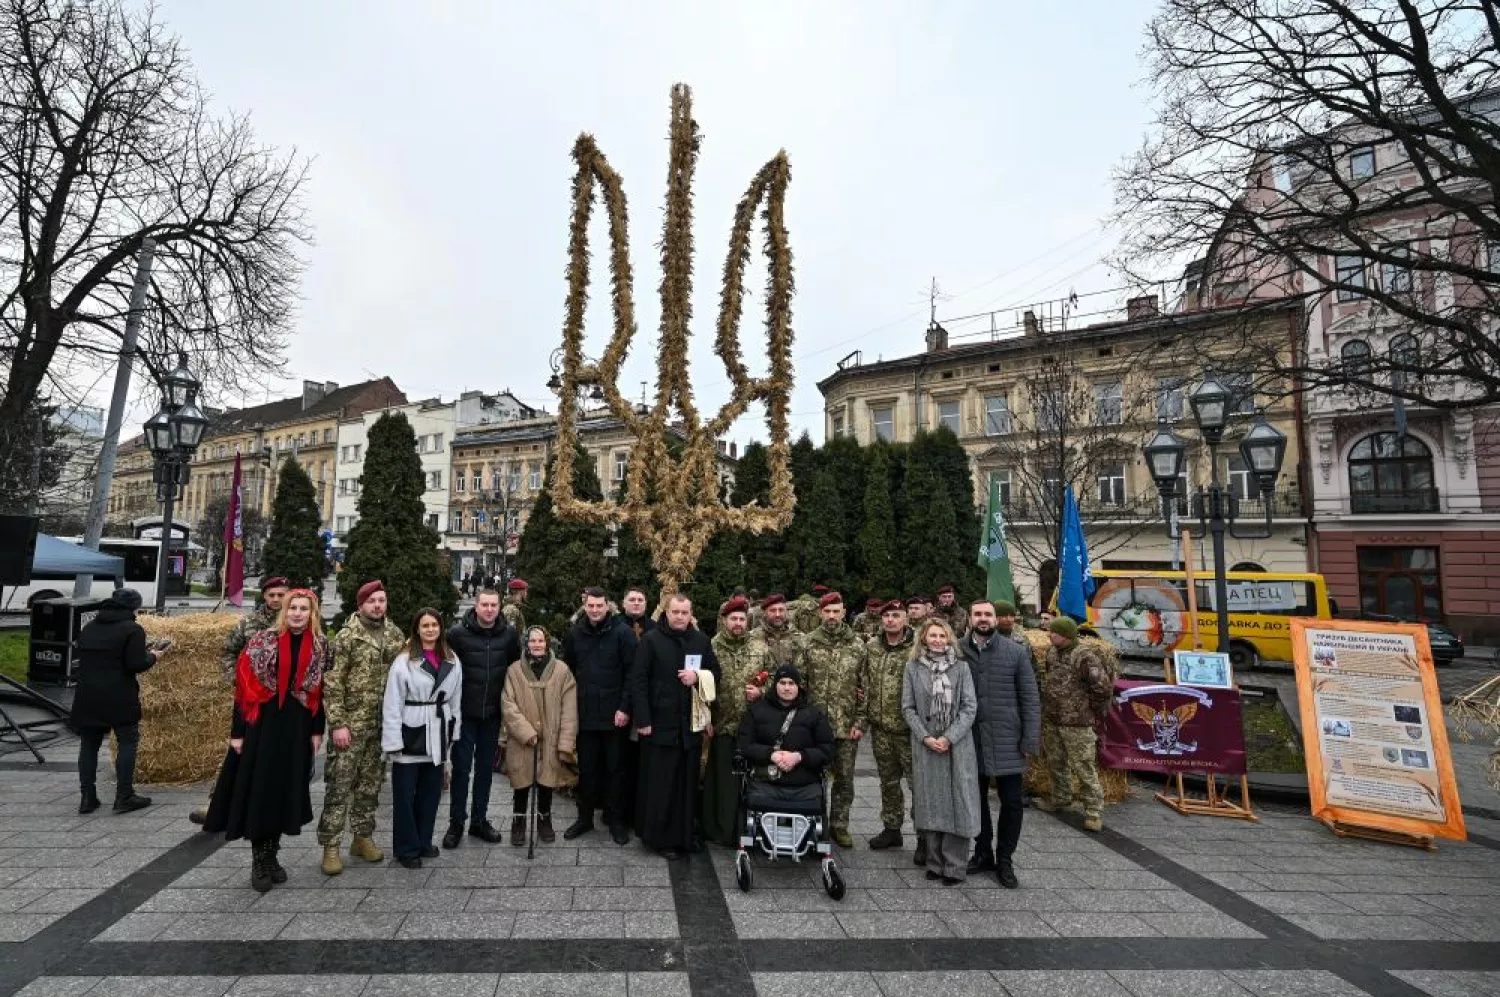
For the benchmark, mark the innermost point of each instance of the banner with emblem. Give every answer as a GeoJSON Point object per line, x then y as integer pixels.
{"type": "Point", "coordinates": [1157, 727]}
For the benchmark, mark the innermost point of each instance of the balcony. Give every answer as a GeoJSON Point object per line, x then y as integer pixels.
{"type": "Point", "coordinates": [1414, 500]}
{"type": "Point", "coordinates": [1286, 504]}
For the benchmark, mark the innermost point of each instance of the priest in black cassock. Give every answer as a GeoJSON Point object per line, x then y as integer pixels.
{"type": "Point", "coordinates": [669, 675]}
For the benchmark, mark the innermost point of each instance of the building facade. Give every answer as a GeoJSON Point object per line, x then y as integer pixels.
{"type": "Point", "coordinates": [64, 507]}
{"type": "Point", "coordinates": [1039, 408]}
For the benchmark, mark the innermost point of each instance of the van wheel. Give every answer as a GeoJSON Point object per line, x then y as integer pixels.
{"type": "Point", "coordinates": [1244, 657]}
{"type": "Point", "coordinates": [37, 597]}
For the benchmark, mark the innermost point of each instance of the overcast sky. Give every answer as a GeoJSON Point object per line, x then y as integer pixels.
{"type": "Point", "coordinates": [971, 142]}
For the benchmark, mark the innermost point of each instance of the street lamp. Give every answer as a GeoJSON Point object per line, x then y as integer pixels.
{"type": "Point", "coordinates": [1263, 449]}
{"type": "Point", "coordinates": [173, 435]}
{"type": "Point", "coordinates": [555, 383]}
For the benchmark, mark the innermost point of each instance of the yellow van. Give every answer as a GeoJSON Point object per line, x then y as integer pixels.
{"type": "Point", "coordinates": [1145, 613]}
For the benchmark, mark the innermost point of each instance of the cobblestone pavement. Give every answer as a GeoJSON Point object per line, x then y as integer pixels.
{"type": "Point", "coordinates": [1158, 904]}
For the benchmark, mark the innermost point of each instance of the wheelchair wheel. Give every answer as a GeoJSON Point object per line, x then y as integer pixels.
{"type": "Point", "coordinates": [743, 877]}
{"type": "Point", "coordinates": [832, 881]}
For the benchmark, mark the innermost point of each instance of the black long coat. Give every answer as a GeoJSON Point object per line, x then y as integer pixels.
{"type": "Point", "coordinates": [600, 658]}
{"type": "Point", "coordinates": [658, 699]}
{"type": "Point", "coordinates": [1008, 726]}
{"type": "Point", "coordinates": [111, 653]}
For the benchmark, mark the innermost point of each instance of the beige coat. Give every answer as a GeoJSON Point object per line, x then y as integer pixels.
{"type": "Point", "coordinates": [548, 707]}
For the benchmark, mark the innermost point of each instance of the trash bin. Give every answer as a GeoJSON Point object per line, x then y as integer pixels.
{"type": "Point", "coordinates": [54, 630]}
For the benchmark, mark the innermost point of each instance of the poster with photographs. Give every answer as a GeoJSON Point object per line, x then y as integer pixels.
{"type": "Point", "coordinates": [1372, 723]}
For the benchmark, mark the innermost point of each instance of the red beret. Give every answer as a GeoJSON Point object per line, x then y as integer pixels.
{"type": "Point", "coordinates": [368, 589]}
{"type": "Point", "coordinates": [819, 589]}
{"type": "Point", "coordinates": [831, 599]}
{"type": "Point", "coordinates": [916, 600]}
{"type": "Point", "coordinates": [946, 590]}
{"type": "Point", "coordinates": [894, 606]}
{"type": "Point", "coordinates": [517, 584]}
{"type": "Point", "coordinates": [874, 605]}
{"type": "Point", "coordinates": [774, 599]}
{"type": "Point", "coordinates": [736, 605]}
{"type": "Point", "coordinates": [274, 582]}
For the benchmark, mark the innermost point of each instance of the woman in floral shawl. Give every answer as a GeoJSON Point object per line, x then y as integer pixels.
{"type": "Point", "coordinates": [262, 791]}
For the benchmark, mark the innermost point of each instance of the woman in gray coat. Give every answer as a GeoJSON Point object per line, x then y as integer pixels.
{"type": "Point", "coordinates": [937, 700]}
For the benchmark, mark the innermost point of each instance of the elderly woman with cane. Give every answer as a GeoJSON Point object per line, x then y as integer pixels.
{"type": "Point", "coordinates": [540, 708]}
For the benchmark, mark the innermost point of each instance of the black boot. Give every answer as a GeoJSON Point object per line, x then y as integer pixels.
{"type": "Point", "coordinates": [919, 857]}
{"type": "Point", "coordinates": [1006, 873]}
{"type": "Point", "coordinates": [131, 802]}
{"type": "Point", "coordinates": [89, 803]}
{"type": "Point", "coordinates": [484, 831]}
{"type": "Point", "coordinates": [260, 867]}
{"type": "Point", "coordinates": [455, 835]}
{"type": "Point", "coordinates": [583, 825]}
{"type": "Point", "coordinates": [273, 864]}
{"type": "Point", "coordinates": [981, 862]}
{"type": "Point", "coordinates": [889, 837]}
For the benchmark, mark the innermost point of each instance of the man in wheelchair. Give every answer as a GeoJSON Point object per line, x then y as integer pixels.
{"type": "Point", "coordinates": [785, 745]}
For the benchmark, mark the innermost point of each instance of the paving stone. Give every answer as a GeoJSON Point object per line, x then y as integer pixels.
{"type": "Point", "coordinates": [1388, 903]}
{"type": "Point", "coordinates": [308, 901]}
{"type": "Point", "coordinates": [623, 898]}
{"type": "Point", "coordinates": [15, 898]}
{"type": "Point", "coordinates": [805, 926]}
{"type": "Point", "coordinates": [560, 984]}
{"type": "Point", "coordinates": [1373, 926]}
{"type": "Point", "coordinates": [60, 901]}
{"type": "Point", "coordinates": [363, 924]}
{"type": "Point", "coordinates": [137, 927]}
{"type": "Point", "coordinates": [1199, 925]}
{"type": "Point", "coordinates": [521, 898]}
{"type": "Point", "coordinates": [59, 986]}
{"type": "Point", "coordinates": [432, 985]}
{"type": "Point", "coordinates": [1115, 879]}
{"type": "Point", "coordinates": [216, 900]}
{"type": "Point", "coordinates": [568, 924]}
{"type": "Point", "coordinates": [951, 983]}
{"type": "Point", "coordinates": [239, 927]}
{"type": "Point", "coordinates": [1450, 983]}
{"type": "Point", "coordinates": [375, 877]}
{"type": "Point", "coordinates": [414, 901]}
{"type": "Point", "coordinates": [997, 924]}
{"type": "Point", "coordinates": [1059, 983]}
{"type": "Point", "coordinates": [821, 984]}
{"type": "Point", "coordinates": [482, 924]}
{"type": "Point", "coordinates": [478, 878]}
{"type": "Point", "coordinates": [802, 899]}
{"type": "Point", "coordinates": [1098, 925]}
{"type": "Point", "coordinates": [545, 855]}
{"type": "Point", "coordinates": [1299, 903]}
{"type": "Point", "coordinates": [1178, 983]}
{"type": "Point", "coordinates": [1237, 881]}
{"type": "Point", "coordinates": [163, 986]}
{"type": "Point", "coordinates": [1023, 899]}
{"type": "Point", "coordinates": [658, 985]}
{"type": "Point", "coordinates": [19, 927]}
{"type": "Point", "coordinates": [915, 925]}
{"type": "Point", "coordinates": [646, 875]}
{"type": "Point", "coordinates": [310, 986]}
{"type": "Point", "coordinates": [651, 924]}
{"type": "Point", "coordinates": [1289, 983]}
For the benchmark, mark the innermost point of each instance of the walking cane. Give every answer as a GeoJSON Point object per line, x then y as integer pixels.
{"type": "Point", "coordinates": [536, 768]}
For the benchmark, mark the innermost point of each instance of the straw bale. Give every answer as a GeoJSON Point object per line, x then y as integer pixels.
{"type": "Point", "coordinates": [185, 702]}
{"type": "Point", "coordinates": [1115, 782]}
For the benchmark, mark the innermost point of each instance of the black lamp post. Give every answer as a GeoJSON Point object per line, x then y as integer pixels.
{"type": "Point", "coordinates": [555, 384]}
{"type": "Point", "coordinates": [1216, 509]}
{"type": "Point", "coordinates": [173, 435]}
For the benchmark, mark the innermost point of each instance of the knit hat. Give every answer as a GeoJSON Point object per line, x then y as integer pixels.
{"type": "Point", "coordinates": [274, 582]}
{"type": "Point", "coordinates": [1003, 608]}
{"type": "Point", "coordinates": [1065, 626]}
{"type": "Point", "coordinates": [774, 599]}
{"type": "Point", "coordinates": [517, 585]}
{"type": "Point", "coordinates": [124, 599]}
{"type": "Point", "coordinates": [787, 672]}
{"type": "Point", "coordinates": [831, 599]}
{"type": "Point", "coordinates": [368, 589]}
{"type": "Point", "coordinates": [736, 605]}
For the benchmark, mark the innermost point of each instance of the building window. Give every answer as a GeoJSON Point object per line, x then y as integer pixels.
{"type": "Point", "coordinates": [1406, 360]}
{"type": "Point", "coordinates": [621, 461]}
{"type": "Point", "coordinates": [1050, 407]}
{"type": "Point", "coordinates": [458, 521]}
{"type": "Point", "coordinates": [437, 442]}
{"type": "Point", "coordinates": [1241, 391]}
{"type": "Point", "coordinates": [1001, 478]}
{"type": "Point", "coordinates": [1052, 488]}
{"type": "Point", "coordinates": [1492, 255]}
{"type": "Point", "coordinates": [1396, 277]}
{"type": "Point", "coordinates": [476, 479]}
{"type": "Point", "coordinates": [513, 473]}
{"type": "Point", "coordinates": [340, 524]}
{"type": "Point", "coordinates": [884, 421]}
{"type": "Point", "coordinates": [1403, 582]}
{"type": "Point", "coordinates": [1241, 481]}
{"type": "Point", "coordinates": [838, 425]}
{"type": "Point", "coordinates": [495, 479]}
{"type": "Point", "coordinates": [434, 481]}
{"type": "Point", "coordinates": [947, 415]}
{"type": "Point", "coordinates": [1169, 398]}
{"type": "Point", "coordinates": [513, 522]}
{"type": "Point", "coordinates": [1108, 404]}
{"type": "Point", "coordinates": [1349, 273]}
{"type": "Point", "coordinates": [432, 520]}
{"type": "Point", "coordinates": [1362, 162]}
{"type": "Point", "coordinates": [1355, 355]}
{"type": "Point", "coordinates": [534, 476]}
{"type": "Point", "coordinates": [1112, 483]}
{"type": "Point", "coordinates": [1391, 473]}
{"type": "Point", "coordinates": [458, 481]}
{"type": "Point", "coordinates": [996, 415]}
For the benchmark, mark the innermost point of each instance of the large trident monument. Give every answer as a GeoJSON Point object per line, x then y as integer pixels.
{"type": "Point", "coordinates": [674, 504]}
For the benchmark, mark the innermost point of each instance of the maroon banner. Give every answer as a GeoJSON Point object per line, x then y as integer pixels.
{"type": "Point", "coordinates": [1172, 728]}
{"type": "Point", "coordinates": [234, 543]}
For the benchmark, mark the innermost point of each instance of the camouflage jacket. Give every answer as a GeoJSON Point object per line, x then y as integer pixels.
{"type": "Point", "coordinates": [1018, 634]}
{"type": "Point", "coordinates": [886, 674]}
{"type": "Point", "coordinates": [802, 614]}
{"type": "Point", "coordinates": [250, 624]}
{"type": "Point", "coordinates": [512, 612]}
{"type": "Point", "coordinates": [1076, 685]}
{"type": "Point", "coordinates": [867, 625]}
{"type": "Point", "coordinates": [741, 659]}
{"type": "Point", "coordinates": [355, 686]}
{"type": "Point", "coordinates": [955, 616]}
{"type": "Point", "coordinates": [783, 644]}
{"type": "Point", "coordinates": [834, 667]}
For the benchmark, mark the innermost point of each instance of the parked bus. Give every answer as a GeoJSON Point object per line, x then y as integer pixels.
{"type": "Point", "coordinates": [140, 557]}
{"type": "Point", "coordinates": [1145, 613]}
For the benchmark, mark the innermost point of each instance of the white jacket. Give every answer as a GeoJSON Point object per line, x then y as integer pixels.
{"type": "Point", "coordinates": [414, 700]}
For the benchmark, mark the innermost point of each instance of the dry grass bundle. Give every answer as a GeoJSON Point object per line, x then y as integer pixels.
{"type": "Point", "coordinates": [1480, 707]}
{"type": "Point", "coordinates": [185, 701]}
{"type": "Point", "coordinates": [1116, 783]}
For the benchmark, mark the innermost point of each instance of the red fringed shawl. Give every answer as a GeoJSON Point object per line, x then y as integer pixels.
{"type": "Point", "coordinates": [265, 671]}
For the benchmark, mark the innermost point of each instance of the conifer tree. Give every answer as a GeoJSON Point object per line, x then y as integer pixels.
{"type": "Point", "coordinates": [770, 561]}
{"type": "Point", "coordinates": [951, 462]}
{"type": "Point", "coordinates": [718, 573]}
{"type": "Point", "coordinates": [295, 548]}
{"type": "Point", "coordinates": [559, 558]}
{"type": "Point", "coordinates": [824, 542]}
{"type": "Point", "coordinates": [391, 540]}
{"type": "Point", "coordinates": [875, 547]}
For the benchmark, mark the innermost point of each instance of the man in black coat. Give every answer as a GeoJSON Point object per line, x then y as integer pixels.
{"type": "Point", "coordinates": [1007, 731]}
{"type": "Point", "coordinates": [599, 649]}
{"type": "Point", "coordinates": [112, 651]}
{"type": "Point", "coordinates": [663, 683]}
{"type": "Point", "coordinates": [486, 645]}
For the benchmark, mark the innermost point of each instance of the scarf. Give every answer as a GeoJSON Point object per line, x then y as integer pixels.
{"type": "Point", "coordinates": [940, 707]}
{"type": "Point", "coordinates": [538, 665]}
{"type": "Point", "coordinates": [267, 670]}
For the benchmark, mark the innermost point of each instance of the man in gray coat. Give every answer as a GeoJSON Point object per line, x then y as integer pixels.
{"type": "Point", "coordinates": [1008, 730]}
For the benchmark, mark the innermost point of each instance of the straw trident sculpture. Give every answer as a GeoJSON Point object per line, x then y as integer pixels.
{"type": "Point", "coordinates": [674, 504]}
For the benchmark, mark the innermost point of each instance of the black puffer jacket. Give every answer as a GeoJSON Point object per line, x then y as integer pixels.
{"type": "Point", "coordinates": [600, 656]}
{"type": "Point", "coordinates": [485, 654]}
{"type": "Point", "coordinates": [111, 653]}
{"type": "Point", "coordinates": [809, 733]}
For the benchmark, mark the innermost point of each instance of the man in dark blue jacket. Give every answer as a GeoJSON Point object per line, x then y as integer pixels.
{"type": "Point", "coordinates": [486, 645]}
{"type": "Point", "coordinates": [599, 649]}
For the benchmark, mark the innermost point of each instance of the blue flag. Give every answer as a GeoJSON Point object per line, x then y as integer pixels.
{"type": "Point", "coordinates": [1075, 586]}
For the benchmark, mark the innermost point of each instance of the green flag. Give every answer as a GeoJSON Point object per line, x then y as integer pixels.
{"type": "Point", "coordinates": [993, 557]}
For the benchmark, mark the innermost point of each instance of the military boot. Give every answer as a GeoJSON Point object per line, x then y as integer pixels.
{"type": "Point", "coordinates": [273, 862]}
{"type": "Point", "coordinates": [131, 802]}
{"type": "Point", "coordinates": [544, 829]}
{"type": "Point", "coordinates": [842, 837]}
{"type": "Point", "coordinates": [1093, 822]}
{"type": "Point", "coordinates": [454, 835]}
{"type": "Point", "coordinates": [89, 803]}
{"type": "Point", "coordinates": [919, 857]}
{"type": "Point", "coordinates": [364, 848]}
{"type": "Point", "coordinates": [260, 869]}
{"type": "Point", "coordinates": [518, 831]}
{"type": "Point", "coordinates": [888, 838]}
{"type": "Point", "coordinates": [332, 864]}
{"type": "Point", "coordinates": [1047, 805]}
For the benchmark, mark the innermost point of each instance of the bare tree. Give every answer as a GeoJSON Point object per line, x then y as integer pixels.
{"type": "Point", "coordinates": [1330, 149]}
{"type": "Point", "coordinates": [106, 139]}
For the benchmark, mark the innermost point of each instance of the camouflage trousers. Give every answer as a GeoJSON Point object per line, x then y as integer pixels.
{"type": "Point", "coordinates": [843, 784]}
{"type": "Point", "coordinates": [352, 780]}
{"type": "Point", "coordinates": [1072, 753]}
{"type": "Point", "coordinates": [893, 762]}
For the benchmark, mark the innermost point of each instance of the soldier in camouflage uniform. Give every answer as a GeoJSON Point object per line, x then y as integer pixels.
{"type": "Point", "coordinates": [272, 594]}
{"type": "Point", "coordinates": [513, 603]}
{"type": "Point", "coordinates": [950, 612]}
{"type": "Point", "coordinates": [834, 661]}
{"type": "Point", "coordinates": [889, 652]}
{"type": "Point", "coordinates": [804, 610]}
{"type": "Point", "coordinates": [1007, 624]}
{"type": "Point", "coordinates": [745, 667]}
{"type": "Point", "coordinates": [916, 610]}
{"type": "Point", "coordinates": [1076, 686]}
{"type": "Point", "coordinates": [780, 638]}
{"type": "Point", "coordinates": [867, 622]}
{"type": "Point", "coordinates": [352, 694]}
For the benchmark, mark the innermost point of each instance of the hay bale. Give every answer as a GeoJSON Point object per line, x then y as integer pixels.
{"type": "Point", "coordinates": [1115, 782]}
{"type": "Point", "coordinates": [185, 702]}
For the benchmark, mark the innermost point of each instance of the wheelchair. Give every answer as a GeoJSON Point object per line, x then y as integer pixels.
{"type": "Point", "coordinates": [784, 822]}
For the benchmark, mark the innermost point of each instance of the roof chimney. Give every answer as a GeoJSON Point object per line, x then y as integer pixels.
{"type": "Point", "coordinates": [937, 338]}
{"type": "Point", "coordinates": [329, 387]}
{"type": "Point", "coordinates": [312, 393]}
{"type": "Point", "coordinates": [1029, 325]}
{"type": "Point", "coordinates": [734, 450]}
{"type": "Point", "coordinates": [1143, 307]}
